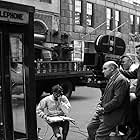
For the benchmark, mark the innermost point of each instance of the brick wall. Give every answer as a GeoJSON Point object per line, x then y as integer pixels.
{"type": "Point", "coordinates": [67, 18]}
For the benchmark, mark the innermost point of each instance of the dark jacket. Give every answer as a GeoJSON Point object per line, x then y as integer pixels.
{"type": "Point", "coordinates": [116, 100]}
{"type": "Point", "coordinates": [134, 75]}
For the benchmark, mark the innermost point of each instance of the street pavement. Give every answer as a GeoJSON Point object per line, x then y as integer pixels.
{"type": "Point", "coordinates": [83, 101]}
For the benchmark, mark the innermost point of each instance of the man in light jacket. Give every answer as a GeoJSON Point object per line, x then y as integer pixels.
{"type": "Point", "coordinates": [57, 105]}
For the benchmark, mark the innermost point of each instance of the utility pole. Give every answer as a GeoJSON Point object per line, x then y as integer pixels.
{"type": "Point", "coordinates": [119, 26]}
{"type": "Point", "coordinates": [94, 29]}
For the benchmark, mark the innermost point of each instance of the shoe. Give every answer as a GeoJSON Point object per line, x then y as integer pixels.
{"type": "Point", "coordinates": [58, 137]}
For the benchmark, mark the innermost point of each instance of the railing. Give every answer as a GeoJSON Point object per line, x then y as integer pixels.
{"type": "Point", "coordinates": [57, 66]}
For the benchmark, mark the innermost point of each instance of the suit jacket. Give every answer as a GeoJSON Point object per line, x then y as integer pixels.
{"type": "Point", "coordinates": [134, 75]}
{"type": "Point", "coordinates": [115, 100]}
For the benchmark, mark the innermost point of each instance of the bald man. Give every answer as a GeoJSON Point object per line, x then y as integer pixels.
{"type": "Point", "coordinates": [113, 106]}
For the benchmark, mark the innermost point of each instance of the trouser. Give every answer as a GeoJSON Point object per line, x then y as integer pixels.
{"type": "Point", "coordinates": [138, 115]}
{"type": "Point", "coordinates": [134, 120]}
{"type": "Point", "coordinates": [56, 128]}
{"type": "Point", "coordinates": [132, 117]}
{"type": "Point", "coordinates": [138, 109]}
{"type": "Point", "coordinates": [97, 130]}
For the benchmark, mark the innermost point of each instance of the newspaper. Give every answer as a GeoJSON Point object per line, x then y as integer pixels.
{"type": "Point", "coordinates": [58, 118]}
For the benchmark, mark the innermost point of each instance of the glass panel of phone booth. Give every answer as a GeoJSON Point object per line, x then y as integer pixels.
{"type": "Point", "coordinates": [1, 112]}
{"type": "Point", "coordinates": [17, 83]}
{"type": "Point", "coordinates": [17, 105]}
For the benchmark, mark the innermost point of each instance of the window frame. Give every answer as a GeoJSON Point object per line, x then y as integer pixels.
{"type": "Point", "coordinates": [132, 23]}
{"type": "Point", "coordinates": [118, 20]}
{"type": "Point", "coordinates": [89, 16]}
{"type": "Point", "coordinates": [109, 24]}
{"type": "Point", "coordinates": [78, 12]}
{"type": "Point", "coordinates": [46, 1]}
{"type": "Point", "coordinates": [138, 24]}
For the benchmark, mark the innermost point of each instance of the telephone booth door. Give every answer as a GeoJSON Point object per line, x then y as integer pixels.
{"type": "Point", "coordinates": [17, 95]}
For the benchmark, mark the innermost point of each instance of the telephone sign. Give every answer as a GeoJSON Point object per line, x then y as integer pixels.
{"type": "Point", "coordinates": [14, 16]}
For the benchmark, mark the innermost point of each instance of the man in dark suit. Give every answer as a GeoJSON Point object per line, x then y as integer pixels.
{"type": "Point", "coordinates": [113, 106]}
{"type": "Point", "coordinates": [136, 75]}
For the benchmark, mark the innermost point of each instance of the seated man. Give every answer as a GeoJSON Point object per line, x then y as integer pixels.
{"type": "Point", "coordinates": [113, 106]}
{"type": "Point", "coordinates": [56, 104]}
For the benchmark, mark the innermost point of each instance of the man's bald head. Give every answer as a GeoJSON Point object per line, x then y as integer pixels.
{"type": "Point", "coordinates": [112, 64]}
{"type": "Point", "coordinates": [109, 68]}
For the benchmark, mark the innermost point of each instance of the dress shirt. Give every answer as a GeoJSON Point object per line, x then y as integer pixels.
{"type": "Point", "coordinates": [53, 107]}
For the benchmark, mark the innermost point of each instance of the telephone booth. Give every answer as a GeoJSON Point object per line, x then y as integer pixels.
{"type": "Point", "coordinates": [17, 84]}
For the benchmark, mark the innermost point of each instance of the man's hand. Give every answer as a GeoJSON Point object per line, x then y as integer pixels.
{"type": "Point", "coordinates": [48, 119]}
{"type": "Point", "coordinates": [100, 110]}
{"type": "Point", "coordinates": [42, 114]}
{"type": "Point", "coordinates": [59, 99]}
{"type": "Point", "coordinates": [132, 97]}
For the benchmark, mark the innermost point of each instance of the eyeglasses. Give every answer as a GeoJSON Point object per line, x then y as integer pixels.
{"type": "Point", "coordinates": [123, 62]}
{"type": "Point", "coordinates": [58, 92]}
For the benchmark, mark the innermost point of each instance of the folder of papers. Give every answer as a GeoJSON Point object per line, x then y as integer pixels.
{"type": "Point", "coordinates": [58, 118]}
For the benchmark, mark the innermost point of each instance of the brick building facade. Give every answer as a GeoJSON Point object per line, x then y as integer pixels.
{"type": "Point", "coordinates": [71, 16]}
{"type": "Point", "coordinates": [129, 32]}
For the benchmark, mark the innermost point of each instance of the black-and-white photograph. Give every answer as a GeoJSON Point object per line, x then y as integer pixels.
{"type": "Point", "coordinates": [69, 70]}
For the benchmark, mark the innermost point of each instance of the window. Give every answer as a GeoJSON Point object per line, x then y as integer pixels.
{"type": "Point", "coordinates": [47, 1]}
{"type": "Point", "coordinates": [89, 14]}
{"type": "Point", "coordinates": [117, 20]}
{"type": "Point", "coordinates": [78, 52]}
{"type": "Point", "coordinates": [109, 14]}
{"type": "Point", "coordinates": [78, 10]}
{"type": "Point", "coordinates": [132, 24]}
{"type": "Point", "coordinates": [138, 24]}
